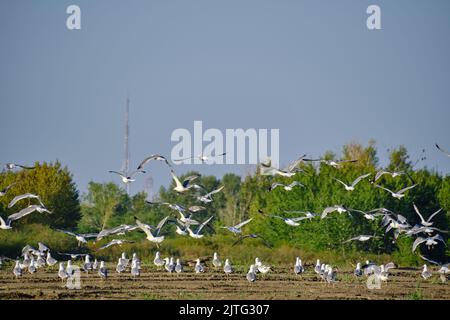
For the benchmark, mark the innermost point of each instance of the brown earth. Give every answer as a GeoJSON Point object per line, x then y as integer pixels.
{"type": "Point", "coordinates": [279, 284]}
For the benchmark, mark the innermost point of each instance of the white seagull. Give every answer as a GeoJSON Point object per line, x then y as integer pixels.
{"type": "Point", "coordinates": [354, 183]}
{"type": "Point", "coordinates": [442, 150]}
{"type": "Point", "coordinates": [6, 189]}
{"type": "Point", "coordinates": [156, 238]}
{"type": "Point", "coordinates": [196, 234]}
{"type": "Point", "coordinates": [125, 177]}
{"type": "Point", "coordinates": [25, 196]}
{"type": "Point", "coordinates": [285, 187]}
{"type": "Point", "coordinates": [115, 242]}
{"type": "Point", "coordinates": [26, 211]}
{"type": "Point", "coordinates": [237, 228]}
{"type": "Point", "coordinates": [207, 197]}
{"type": "Point", "coordinates": [186, 185]}
{"type": "Point", "coordinates": [399, 194]}
{"type": "Point", "coordinates": [430, 241]}
{"type": "Point", "coordinates": [361, 238]}
{"type": "Point", "coordinates": [298, 267]}
{"type": "Point", "coordinates": [426, 223]}
{"type": "Point", "coordinates": [156, 157]}
{"type": "Point", "coordinates": [338, 208]}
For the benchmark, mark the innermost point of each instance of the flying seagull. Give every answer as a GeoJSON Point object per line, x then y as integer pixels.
{"type": "Point", "coordinates": [334, 163]}
{"type": "Point", "coordinates": [426, 223]}
{"type": "Point", "coordinates": [285, 187]}
{"type": "Point", "coordinates": [393, 174]}
{"type": "Point", "coordinates": [398, 194]}
{"type": "Point", "coordinates": [5, 225]}
{"type": "Point", "coordinates": [156, 238]}
{"type": "Point", "coordinates": [24, 212]}
{"type": "Point", "coordinates": [185, 186]}
{"type": "Point", "coordinates": [119, 230]}
{"type": "Point", "coordinates": [81, 238]}
{"type": "Point", "coordinates": [237, 228]}
{"type": "Point", "coordinates": [338, 208]}
{"type": "Point", "coordinates": [127, 178]}
{"type": "Point", "coordinates": [442, 150]}
{"type": "Point", "coordinates": [114, 242]}
{"type": "Point", "coordinates": [201, 157]}
{"type": "Point", "coordinates": [24, 196]}
{"type": "Point", "coordinates": [289, 221]}
{"type": "Point", "coordinates": [207, 197]}
{"type": "Point", "coordinates": [12, 166]}
{"type": "Point", "coordinates": [430, 241]}
{"type": "Point", "coordinates": [361, 238]}
{"type": "Point", "coordinates": [252, 236]}
{"type": "Point", "coordinates": [6, 189]}
{"type": "Point", "coordinates": [354, 183]}
{"type": "Point", "coordinates": [156, 157]}
{"type": "Point", "coordinates": [196, 234]}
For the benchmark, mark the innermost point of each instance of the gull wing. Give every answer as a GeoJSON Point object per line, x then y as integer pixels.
{"type": "Point", "coordinates": [378, 186]}
{"type": "Point", "coordinates": [203, 224]}
{"type": "Point", "coordinates": [431, 217]}
{"type": "Point", "coordinates": [276, 184]}
{"type": "Point", "coordinates": [23, 196]}
{"type": "Point", "coordinates": [22, 213]}
{"type": "Point", "coordinates": [153, 157]}
{"type": "Point", "coordinates": [327, 210]}
{"type": "Point", "coordinates": [417, 242]}
{"type": "Point", "coordinates": [243, 223]}
{"type": "Point", "coordinates": [161, 224]}
{"type": "Point", "coordinates": [175, 178]}
{"type": "Point", "coordinates": [119, 173]}
{"type": "Point", "coordinates": [67, 232]}
{"type": "Point", "coordinates": [417, 211]}
{"type": "Point", "coordinates": [215, 191]}
{"type": "Point", "coordinates": [343, 183]}
{"type": "Point", "coordinates": [406, 189]}
{"type": "Point", "coordinates": [442, 150]}
{"type": "Point", "coordinates": [144, 228]}
{"type": "Point", "coordinates": [357, 180]}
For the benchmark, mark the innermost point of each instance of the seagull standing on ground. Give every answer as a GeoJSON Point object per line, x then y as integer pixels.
{"type": "Point", "coordinates": [298, 267]}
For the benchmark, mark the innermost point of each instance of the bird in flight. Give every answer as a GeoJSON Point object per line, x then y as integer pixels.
{"type": "Point", "coordinates": [399, 194]}
{"type": "Point", "coordinates": [156, 157]}
{"type": "Point", "coordinates": [127, 178]}
{"type": "Point", "coordinates": [354, 183]}
{"type": "Point", "coordinates": [285, 187]}
{"type": "Point", "coordinates": [442, 150]}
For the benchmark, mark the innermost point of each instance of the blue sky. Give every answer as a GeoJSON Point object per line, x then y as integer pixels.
{"type": "Point", "coordinates": [310, 68]}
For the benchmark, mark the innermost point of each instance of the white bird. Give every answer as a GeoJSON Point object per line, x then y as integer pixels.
{"type": "Point", "coordinates": [354, 183]}
{"type": "Point", "coordinates": [113, 242]}
{"type": "Point", "coordinates": [157, 261]}
{"type": "Point", "coordinates": [442, 150]}
{"type": "Point", "coordinates": [298, 267]}
{"type": "Point", "coordinates": [317, 267]}
{"type": "Point", "coordinates": [156, 157]}
{"type": "Point", "coordinates": [335, 163]}
{"type": "Point", "coordinates": [196, 234]}
{"type": "Point", "coordinates": [399, 194]}
{"type": "Point", "coordinates": [119, 230]}
{"type": "Point", "coordinates": [127, 178]}
{"type": "Point", "coordinates": [186, 185]}
{"type": "Point", "coordinates": [330, 274]}
{"type": "Point", "coordinates": [290, 221]}
{"type": "Point", "coordinates": [201, 157]}
{"type": "Point", "coordinates": [199, 267]}
{"type": "Point", "coordinates": [50, 260]}
{"type": "Point", "coordinates": [103, 271]}
{"type": "Point", "coordinates": [227, 268]}
{"type": "Point", "coordinates": [207, 198]}
{"type": "Point", "coordinates": [393, 174]}
{"type": "Point", "coordinates": [26, 211]}
{"type": "Point", "coordinates": [178, 266]}
{"type": "Point", "coordinates": [5, 225]}
{"type": "Point", "coordinates": [271, 171]}
{"type": "Point", "coordinates": [338, 208]}
{"type": "Point", "coordinates": [288, 187]}
{"type": "Point", "coordinates": [69, 269]}
{"type": "Point", "coordinates": [88, 265]}
{"type": "Point", "coordinates": [261, 267]}
{"type": "Point", "coordinates": [95, 265]}
{"type": "Point", "coordinates": [216, 261]}
{"type": "Point", "coordinates": [81, 238]}
{"type": "Point", "coordinates": [427, 222]}
{"type": "Point", "coordinates": [156, 238]}
{"type": "Point", "coordinates": [425, 273]}
{"type": "Point", "coordinates": [430, 241]}
{"type": "Point", "coordinates": [17, 271]}
{"type": "Point", "coordinates": [32, 267]}
{"type": "Point", "coordinates": [12, 166]}
{"type": "Point", "coordinates": [358, 271]}
{"type": "Point", "coordinates": [135, 268]}
{"type": "Point", "coordinates": [6, 189]}
{"type": "Point", "coordinates": [25, 196]}
{"type": "Point", "coordinates": [62, 274]}
{"type": "Point", "coordinates": [361, 238]}
{"type": "Point", "coordinates": [237, 228]}
{"type": "Point", "coordinates": [251, 274]}
{"type": "Point", "coordinates": [169, 265]}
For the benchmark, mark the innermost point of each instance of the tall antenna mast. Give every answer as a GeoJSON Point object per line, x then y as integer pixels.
{"type": "Point", "coordinates": [126, 159]}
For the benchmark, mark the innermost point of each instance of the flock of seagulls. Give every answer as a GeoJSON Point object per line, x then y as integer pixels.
{"type": "Point", "coordinates": [187, 225]}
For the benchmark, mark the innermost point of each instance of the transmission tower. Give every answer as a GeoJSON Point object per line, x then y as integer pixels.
{"type": "Point", "coordinates": [126, 159]}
